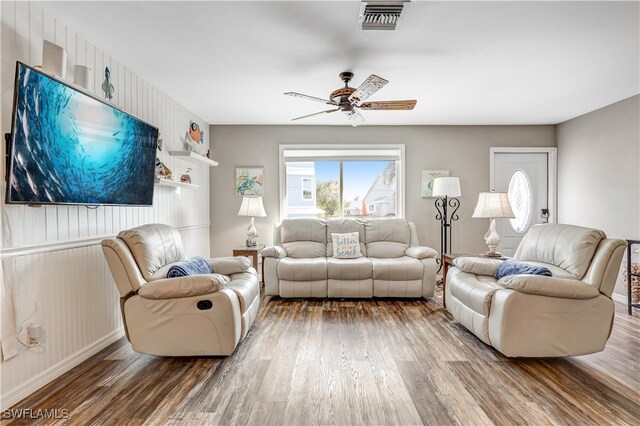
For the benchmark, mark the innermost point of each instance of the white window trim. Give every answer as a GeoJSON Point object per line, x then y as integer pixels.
{"type": "Point", "coordinates": [312, 180]}
{"type": "Point", "coordinates": [400, 172]}
{"type": "Point", "coordinates": [552, 164]}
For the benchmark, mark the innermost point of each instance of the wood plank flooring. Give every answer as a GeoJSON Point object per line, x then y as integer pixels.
{"type": "Point", "coordinates": [353, 362]}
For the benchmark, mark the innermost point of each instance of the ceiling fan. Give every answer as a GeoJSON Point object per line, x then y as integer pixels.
{"type": "Point", "coordinates": [349, 100]}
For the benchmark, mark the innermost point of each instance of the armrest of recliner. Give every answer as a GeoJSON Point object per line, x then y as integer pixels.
{"type": "Point", "coordinates": [274, 251]}
{"type": "Point", "coordinates": [192, 285]}
{"type": "Point", "coordinates": [229, 265]}
{"type": "Point", "coordinates": [549, 286]}
{"type": "Point", "coordinates": [421, 252]}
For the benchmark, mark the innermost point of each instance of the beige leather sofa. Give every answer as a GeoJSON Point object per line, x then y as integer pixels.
{"type": "Point", "coordinates": [301, 262]}
{"type": "Point", "coordinates": [193, 315]}
{"type": "Point", "coordinates": [570, 313]}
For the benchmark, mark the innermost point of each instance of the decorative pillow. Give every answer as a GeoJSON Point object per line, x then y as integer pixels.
{"type": "Point", "coordinates": [513, 267]}
{"type": "Point", "coordinates": [346, 246]}
{"type": "Point", "coordinates": [477, 265]}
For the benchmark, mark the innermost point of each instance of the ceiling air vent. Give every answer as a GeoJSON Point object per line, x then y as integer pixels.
{"type": "Point", "coordinates": [380, 15]}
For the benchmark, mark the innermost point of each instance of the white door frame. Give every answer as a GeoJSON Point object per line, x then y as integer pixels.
{"type": "Point", "coordinates": [552, 155]}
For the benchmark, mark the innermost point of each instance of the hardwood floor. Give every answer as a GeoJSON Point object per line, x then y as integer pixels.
{"type": "Point", "coordinates": [353, 362]}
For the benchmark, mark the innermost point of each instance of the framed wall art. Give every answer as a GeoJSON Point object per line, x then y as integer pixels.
{"type": "Point", "coordinates": [426, 181]}
{"type": "Point", "coordinates": [249, 181]}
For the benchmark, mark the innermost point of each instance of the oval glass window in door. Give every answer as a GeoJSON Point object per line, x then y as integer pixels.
{"type": "Point", "coordinates": [521, 199]}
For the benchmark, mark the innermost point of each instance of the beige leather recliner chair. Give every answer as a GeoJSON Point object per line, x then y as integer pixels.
{"type": "Point", "coordinates": [188, 316]}
{"type": "Point", "coordinates": [570, 313]}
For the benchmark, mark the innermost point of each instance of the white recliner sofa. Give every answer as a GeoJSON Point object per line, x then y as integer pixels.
{"type": "Point", "coordinates": [570, 313]}
{"type": "Point", "coordinates": [301, 262]}
{"type": "Point", "coordinates": [188, 316]}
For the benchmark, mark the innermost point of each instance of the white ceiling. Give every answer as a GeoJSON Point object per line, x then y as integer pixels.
{"type": "Point", "coordinates": [465, 62]}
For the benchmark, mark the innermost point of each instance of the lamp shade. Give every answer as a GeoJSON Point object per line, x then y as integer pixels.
{"type": "Point", "coordinates": [446, 187]}
{"type": "Point", "coordinates": [493, 204]}
{"type": "Point", "coordinates": [252, 206]}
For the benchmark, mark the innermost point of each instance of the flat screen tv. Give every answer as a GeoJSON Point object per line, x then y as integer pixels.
{"type": "Point", "coordinates": [70, 147]}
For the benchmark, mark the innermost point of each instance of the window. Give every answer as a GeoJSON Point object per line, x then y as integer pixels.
{"type": "Point", "coordinates": [520, 198]}
{"type": "Point", "coordinates": [341, 181]}
{"type": "Point", "coordinates": [307, 188]}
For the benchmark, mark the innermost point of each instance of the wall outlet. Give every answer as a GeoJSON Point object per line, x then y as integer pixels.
{"type": "Point", "coordinates": [34, 331]}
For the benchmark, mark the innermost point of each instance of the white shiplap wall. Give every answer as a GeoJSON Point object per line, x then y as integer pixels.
{"type": "Point", "coordinates": [51, 255]}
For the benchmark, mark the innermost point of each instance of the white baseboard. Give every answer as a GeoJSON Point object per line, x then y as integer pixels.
{"type": "Point", "coordinates": [17, 394]}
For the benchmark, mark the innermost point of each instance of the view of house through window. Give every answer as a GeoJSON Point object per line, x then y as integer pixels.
{"type": "Point", "coordinates": [352, 188]}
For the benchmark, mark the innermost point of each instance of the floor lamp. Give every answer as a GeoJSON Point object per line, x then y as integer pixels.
{"type": "Point", "coordinates": [443, 188]}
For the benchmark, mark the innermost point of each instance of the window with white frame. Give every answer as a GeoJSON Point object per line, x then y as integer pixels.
{"type": "Point", "coordinates": [329, 181]}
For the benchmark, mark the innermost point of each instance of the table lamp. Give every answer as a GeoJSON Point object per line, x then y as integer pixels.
{"type": "Point", "coordinates": [252, 206]}
{"type": "Point", "coordinates": [493, 205]}
{"type": "Point", "coordinates": [443, 188]}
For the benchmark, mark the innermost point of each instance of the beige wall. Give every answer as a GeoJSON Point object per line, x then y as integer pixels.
{"type": "Point", "coordinates": [462, 149]}
{"type": "Point", "coordinates": [598, 172]}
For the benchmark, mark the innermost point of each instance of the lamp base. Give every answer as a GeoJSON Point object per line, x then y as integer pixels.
{"type": "Point", "coordinates": [252, 235]}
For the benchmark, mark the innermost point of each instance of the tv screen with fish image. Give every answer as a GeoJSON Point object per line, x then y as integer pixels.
{"type": "Point", "coordinates": [69, 147]}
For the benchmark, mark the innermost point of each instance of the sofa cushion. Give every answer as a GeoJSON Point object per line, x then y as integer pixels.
{"type": "Point", "coordinates": [343, 226]}
{"type": "Point", "coordinates": [153, 246]}
{"type": "Point", "coordinates": [397, 269]}
{"type": "Point", "coordinates": [349, 269]}
{"type": "Point", "coordinates": [304, 237]}
{"type": "Point", "coordinates": [346, 246]}
{"type": "Point", "coordinates": [566, 246]}
{"type": "Point", "coordinates": [555, 271]}
{"type": "Point", "coordinates": [291, 269]}
{"type": "Point", "coordinates": [387, 238]}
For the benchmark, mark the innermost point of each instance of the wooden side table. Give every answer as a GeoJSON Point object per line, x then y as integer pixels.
{"type": "Point", "coordinates": [251, 252]}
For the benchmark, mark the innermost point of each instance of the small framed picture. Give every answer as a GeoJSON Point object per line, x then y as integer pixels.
{"type": "Point", "coordinates": [249, 181]}
{"type": "Point", "coordinates": [426, 181]}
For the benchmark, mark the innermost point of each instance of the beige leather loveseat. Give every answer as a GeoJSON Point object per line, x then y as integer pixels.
{"type": "Point", "coordinates": [301, 262]}
{"type": "Point", "coordinates": [570, 313]}
{"type": "Point", "coordinates": [187, 316]}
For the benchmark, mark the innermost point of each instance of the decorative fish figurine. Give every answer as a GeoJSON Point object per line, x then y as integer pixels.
{"type": "Point", "coordinates": [195, 134]}
{"type": "Point", "coordinates": [107, 87]}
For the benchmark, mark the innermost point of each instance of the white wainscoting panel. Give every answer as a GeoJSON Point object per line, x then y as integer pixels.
{"type": "Point", "coordinates": [52, 257]}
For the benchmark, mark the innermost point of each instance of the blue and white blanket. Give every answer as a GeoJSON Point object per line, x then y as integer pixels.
{"type": "Point", "coordinates": [513, 267]}
{"type": "Point", "coordinates": [194, 266]}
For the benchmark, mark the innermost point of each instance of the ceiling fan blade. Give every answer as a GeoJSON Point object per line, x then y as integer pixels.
{"type": "Point", "coordinates": [389, 105]}
{"type": "Point", "coordinates": [316, 113]}
{"type": "Point", "coordinates": [311, 98]}
{"type": "Point", "coordinates": [370, 86]}
{"type": "Point", "coordinates": [355, 117]}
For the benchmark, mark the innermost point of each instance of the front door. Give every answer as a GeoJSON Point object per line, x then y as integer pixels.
{"type": "Point", "coordinates": [525, 177]}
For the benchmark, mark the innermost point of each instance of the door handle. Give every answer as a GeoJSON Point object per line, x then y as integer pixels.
{"type": "Point", "coordinates": [545, 215]}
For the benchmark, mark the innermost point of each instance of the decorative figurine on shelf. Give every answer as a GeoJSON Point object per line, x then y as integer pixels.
{"type": "Point", "coordinates": [162, 171]}
{"type": "Point", "coordinates": [208, 154]}
{"type": "Point", "coordinates": [186, 178]}
{"type": "Point", "coordinates": [194, 134]}
{"type": "Point", "coordinates": [160, 141]}
{"type": "Point", "coordinates": [107, 87]}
